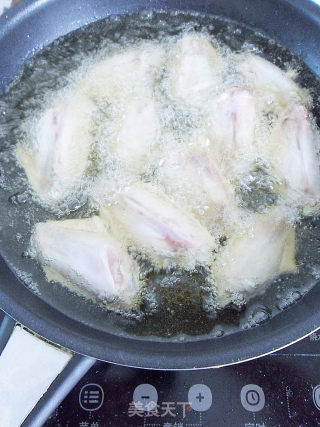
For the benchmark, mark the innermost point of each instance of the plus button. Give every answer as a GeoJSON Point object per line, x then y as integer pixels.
{"type": "Point", "coordinates": [200, 397]}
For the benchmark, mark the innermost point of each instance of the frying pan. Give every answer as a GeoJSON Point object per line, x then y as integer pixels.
{"type": "Point", "coordinates": [80, 327]}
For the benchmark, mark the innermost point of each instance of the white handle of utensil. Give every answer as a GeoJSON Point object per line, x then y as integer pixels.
{"type": "Point", "coordinates": [28, 366]}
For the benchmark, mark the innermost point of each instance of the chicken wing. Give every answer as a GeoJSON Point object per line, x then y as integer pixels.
{"type": "Point", "coordinates": [56, 159]}
{"type": "Point", "coordinates": [83, 252]}
{"type": "Point", "coordinates": [191, 174]}
{"type": "Point", "coordinates": [131, 71]}
{"type": "Point", "coordinates": [195, 70]}
{"type": "Point", "coordinates": [232, 121]}
{"type": "Point", "coordinates": [157, 227]}
{"type": "Point", "coordinates": [293, 152]}
{"type": "Point", "coordinates": [137, 134]}
{"type": "Point", "coordinates": [254, 255]}
{"type": "Point", "coordinates": [268, 79]}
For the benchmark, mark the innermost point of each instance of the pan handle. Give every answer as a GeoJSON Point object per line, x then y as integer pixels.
{"type": "Point", "coordinates": [77, 367]}
{"type": "Point", "coordinates": [35, 376]}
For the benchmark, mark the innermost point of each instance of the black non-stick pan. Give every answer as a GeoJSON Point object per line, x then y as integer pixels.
{"type": "Point", "coordinates": [80, 325]}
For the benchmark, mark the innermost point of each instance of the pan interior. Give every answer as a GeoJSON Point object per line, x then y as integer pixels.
{"type": "Point", "coordinates": [48, 71]}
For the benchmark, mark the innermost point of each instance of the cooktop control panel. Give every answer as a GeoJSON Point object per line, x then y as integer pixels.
{"type": "Point", "coordinates": [278, 390]}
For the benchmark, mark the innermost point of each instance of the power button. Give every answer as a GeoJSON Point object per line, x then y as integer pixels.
{"type": "Point", "coordinates": [252, 398]}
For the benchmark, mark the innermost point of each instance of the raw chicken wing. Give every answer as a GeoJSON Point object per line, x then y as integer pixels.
{"type": "Point", "coordinates": [158, 227]}
{"type": "Point", "coordinates": [232, 126]}
{"type": "Point", "coordinates": [83, 252]}
{"type": "Point", "coordinates": [254, 255]}
{"type": "Point", "coordinates": [127, 72]}
{"type": "Point", "coordinates": [293, 152]}
{"type": "Point", "coordinates": [137, 134]}
{"type": "Point", "coordinates": [210, 192]}
{"type": "Point", "coordinates": [57, 158]}
{"type": "Point", "coordinates": [195, 71]}
{"type": "Point", "coordinates": [268, 79]}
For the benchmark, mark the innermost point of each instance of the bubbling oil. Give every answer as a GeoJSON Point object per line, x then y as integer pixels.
{"type": "Point", "coordinates": [60, 69]}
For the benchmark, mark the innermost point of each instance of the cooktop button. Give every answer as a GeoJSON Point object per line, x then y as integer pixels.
{"type": "Point", "coordinates": [316, 396]}
{"type": "Point", "coordinates": [252, 398]}
{"type": "Point", "coordinates": [200, 397]}
{"type": "Point", "coordinates": [91, 397]}
{"type": "Point", "coordinates": [145, 397]}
